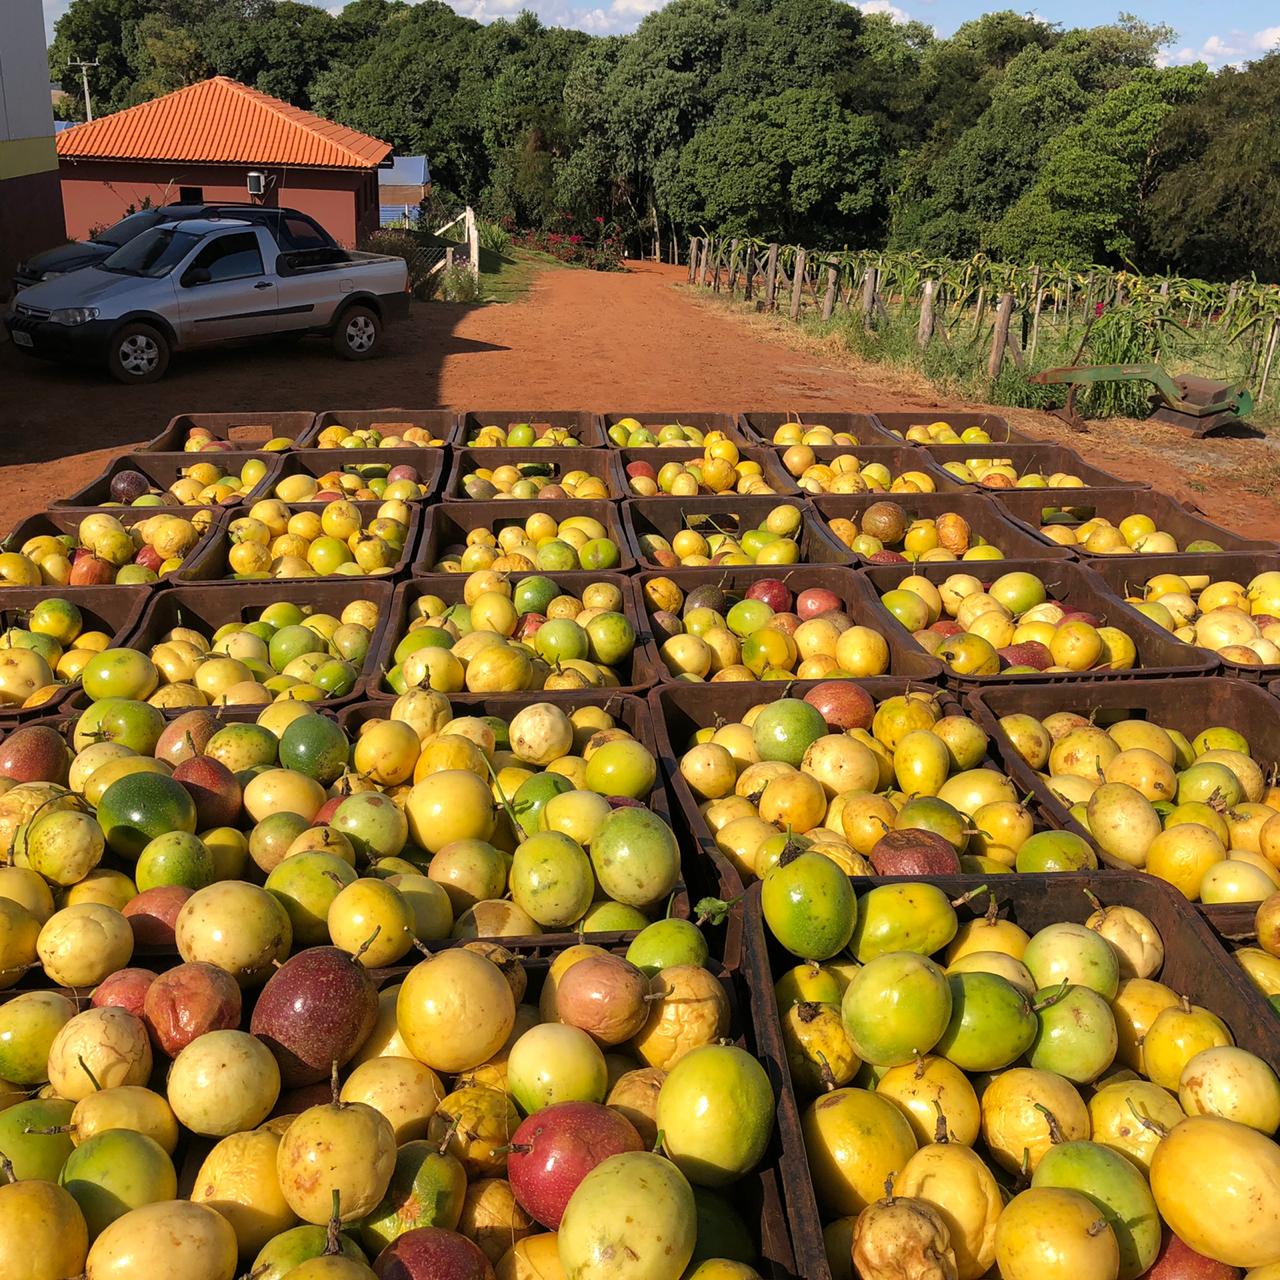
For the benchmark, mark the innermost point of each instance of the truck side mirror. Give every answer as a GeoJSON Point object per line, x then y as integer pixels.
{"type": "Point", "coordinates": [196, 275]}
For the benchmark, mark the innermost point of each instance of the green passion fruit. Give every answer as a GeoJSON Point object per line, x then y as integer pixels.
{"type": "Point", "coordinates": [809, 905]}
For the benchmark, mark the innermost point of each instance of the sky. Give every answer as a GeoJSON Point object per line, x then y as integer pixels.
{"type": "Point", "coordinates": [1218, 33]}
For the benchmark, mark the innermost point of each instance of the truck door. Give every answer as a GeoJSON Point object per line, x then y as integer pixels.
{"type": "Point", "coordinates": [224, 291]}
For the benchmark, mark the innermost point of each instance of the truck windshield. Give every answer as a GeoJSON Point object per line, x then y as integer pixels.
{"type": "Point", "coordinates": [154, 253]}
{"type": "Point", "coordinates": [134, 225]}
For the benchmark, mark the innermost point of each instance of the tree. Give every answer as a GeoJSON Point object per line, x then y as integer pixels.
{"type": "Point", "coordinates": [1214, 205]}
{"type": "Point", "coordinates": [1086, 200]}
{"type": "Point", "coordinates": [797, 166]}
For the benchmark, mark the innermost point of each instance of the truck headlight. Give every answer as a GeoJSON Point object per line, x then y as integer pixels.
{"type": "Point", "coordinates": [73, 315]}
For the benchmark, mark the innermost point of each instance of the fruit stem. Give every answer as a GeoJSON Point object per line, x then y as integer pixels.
{"type": "Point", "coordinates": [1094, 900]}
{"type": "Point", "coordinates": [659, 1139]}
{"type": "Point", "coordinates": [333, 1083]}
{"type": "Point", "coordinates": [992, 908]}
{"type": "Point", "coordinates": [93, 1080]}
{"type": "Point", "coordinates": [828, 1076]}
{"type": "Point", "coordinates": [888, 1189]}
{"type": "Point", "coordinates": [502, 797]}
{"type": "Point", "coordinates": [969, 897]}
{"type": "Point", "coordinates": [367, 943]}
{"type": "Point", "coordinates": [1052, 998]}
{"type": "Point", "coordinates": [448, 1135]}
{"type": "Point", "coordinates": [47, 1131]}
{"type": "Point", "coordinates": [1056, 1135]}
{"type": "Point", "coordinates": [1147, 1121]}
{"type": "Point", "coordinates": [332, 1244]}
{"type": "Point", "coordinates": [940, 1134]}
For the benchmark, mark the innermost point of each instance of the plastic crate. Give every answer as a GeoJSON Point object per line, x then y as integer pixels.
{"type": "Point", "coordinates": [1032, 459]}
{"type": "Point", "coordinates": [1188, 705]}
{"type": "Point", "coordinates": [771, 468]}
{"type": "Point", "coordinates": [163, 469]}
{"type": "Point", "coordinates": [982, 515]}
{"type": "Point", "coordinates": [632, 712]}
{"type": "Point", "coordinates": [726, 423]}
{"type": "Point", "coordinates": [449, 523]}
{"type": "Point", "coordinates": [595, 462]}
{"type": "Point", "coordinates": [898, 422]}
{"type": "Point", "coordinates": [1127, 575]}
{"type": "Point", "coordinates": [430, 465]}
{"type": "Point", "coordinates": [760, 427]}
{"type": "Point", "coordinates": [208, 607]}
{"type": "Point", "coordinates": [1068, 582]}
{"type": "Point", "coordinates": [898, 458]}
{"type": "Point", "coordinates": [1028, 507]}
{"type": "Point", "coordinates": [637, 675]}
{"type": "Point", "coordinates": [111, 609]}
{"type": "Point", "coordinates": [62, 520]}
{"type": "Point", "coordinates": [442, 423]}
{"type": "Point", "coordinates": [583, 425]}
{"type": "Point", "coordinates": [1195, 966]}
{"type": "Point", "coordinates": [906, 660]}
{"type": "Point", "coordinates": [208, 563]}
{"type": "Point", "coordinates": [248, 430]}
{"type": "Point", "coordinates": [641, 516]}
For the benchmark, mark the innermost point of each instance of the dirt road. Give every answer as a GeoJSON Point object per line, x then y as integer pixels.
{"type": "Point", "coordinates": [579, 339]}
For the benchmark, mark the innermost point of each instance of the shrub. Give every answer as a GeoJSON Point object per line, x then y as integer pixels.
{"type": "Point", "coordinates": [457, 284]}
{"type": "Point", "coordinates": [418, 257]}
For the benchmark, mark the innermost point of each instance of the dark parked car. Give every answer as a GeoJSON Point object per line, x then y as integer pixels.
{"type": "Point", "coordinates": [292, 230]}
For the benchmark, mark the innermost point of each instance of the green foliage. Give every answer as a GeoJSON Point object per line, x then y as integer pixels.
{"type": "Point", "coordinates": [420, 257]}
{"type": "Point", "coordinates": [805, 120]}
{"type": "Point", "coordinates": [458, 284]}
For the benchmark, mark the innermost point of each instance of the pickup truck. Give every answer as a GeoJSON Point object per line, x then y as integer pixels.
{"type": "Point", "coordinates": [201, 282]}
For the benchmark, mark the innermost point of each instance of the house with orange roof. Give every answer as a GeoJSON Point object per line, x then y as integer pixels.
{"type": "Point", "coordinates": [220, 141]}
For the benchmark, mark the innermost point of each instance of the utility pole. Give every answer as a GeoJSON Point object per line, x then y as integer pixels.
{"type": "Point", "coordinates": [84, 80]}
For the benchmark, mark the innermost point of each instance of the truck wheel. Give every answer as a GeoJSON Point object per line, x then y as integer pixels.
{"type": "Point", "coordinates": [357, 334]}
{"type": "Point", "coordinates": [138, 353]}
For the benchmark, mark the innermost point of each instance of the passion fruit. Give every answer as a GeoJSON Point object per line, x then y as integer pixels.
{"type": "Point", "coordinates": [636, 1205]}
{"type": "Point", "coordinates": [348, 1148]}
{"type": "Point", "coordinates": [455, 1010]}
{"type": "Point", "coordinates": [896, 1008]}
{"type": "Point", "coordinates": [1048, 1233]}
{"type": "Point", "coordinates": [716, 1111]}
{"type": "Point", "coordinates": [855, 1140]}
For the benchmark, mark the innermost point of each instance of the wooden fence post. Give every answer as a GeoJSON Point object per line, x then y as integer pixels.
{"type": "Point", "coordinates": [706, 262]}
{"type": "Point", "coordinates": [868, 296]}
{"type": "Point", "coordinates": [1000, 336]}
{"type": "Point", "coordinates": [1271, 351]}
{"type": "Point", "coordinates": [693, 258]}
{"type": "Point", "coordinates": [797, 283]}
{"type": "Point", "coordinates": [771, 279]}
{"type": "Point", "coordinates": [733, 268]}
{"type": "Point", "coordinates": [749, 271]}
{"type": "Point", "coordinates": [829, 302]}
{"type": "Point", "coordinates": [715, 271]}
{"type": "Point", "coordinates": [924, 330]}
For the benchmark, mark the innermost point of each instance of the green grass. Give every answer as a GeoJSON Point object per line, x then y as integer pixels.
{"type": "Point", "coordinates": [507, 277]}
{"type": "Point", "coordinates": [957, 367]}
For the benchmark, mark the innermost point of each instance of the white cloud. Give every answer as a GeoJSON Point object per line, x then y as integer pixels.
{"type": "Point", "coordinates": [882, 6]}
{"type": "Point", "coordinates": [1229, 49]}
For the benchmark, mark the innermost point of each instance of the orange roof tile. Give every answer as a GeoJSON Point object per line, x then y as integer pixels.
{"type": "Point", "coordinates": [221, 121]}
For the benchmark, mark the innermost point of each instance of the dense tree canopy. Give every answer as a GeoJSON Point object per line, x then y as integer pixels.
{"type": "Point", "coordinates": [798, 119]}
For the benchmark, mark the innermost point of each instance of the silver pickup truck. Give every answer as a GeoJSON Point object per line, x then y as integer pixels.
{"type": "Point", "coordinates": [196, 283]}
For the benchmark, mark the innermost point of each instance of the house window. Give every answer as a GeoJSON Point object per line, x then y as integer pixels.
{"type": "Point", "coordinates": [191, 195]}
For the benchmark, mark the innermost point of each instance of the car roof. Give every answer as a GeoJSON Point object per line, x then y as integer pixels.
{"type": "Point", "coordinates": [204, 226]}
